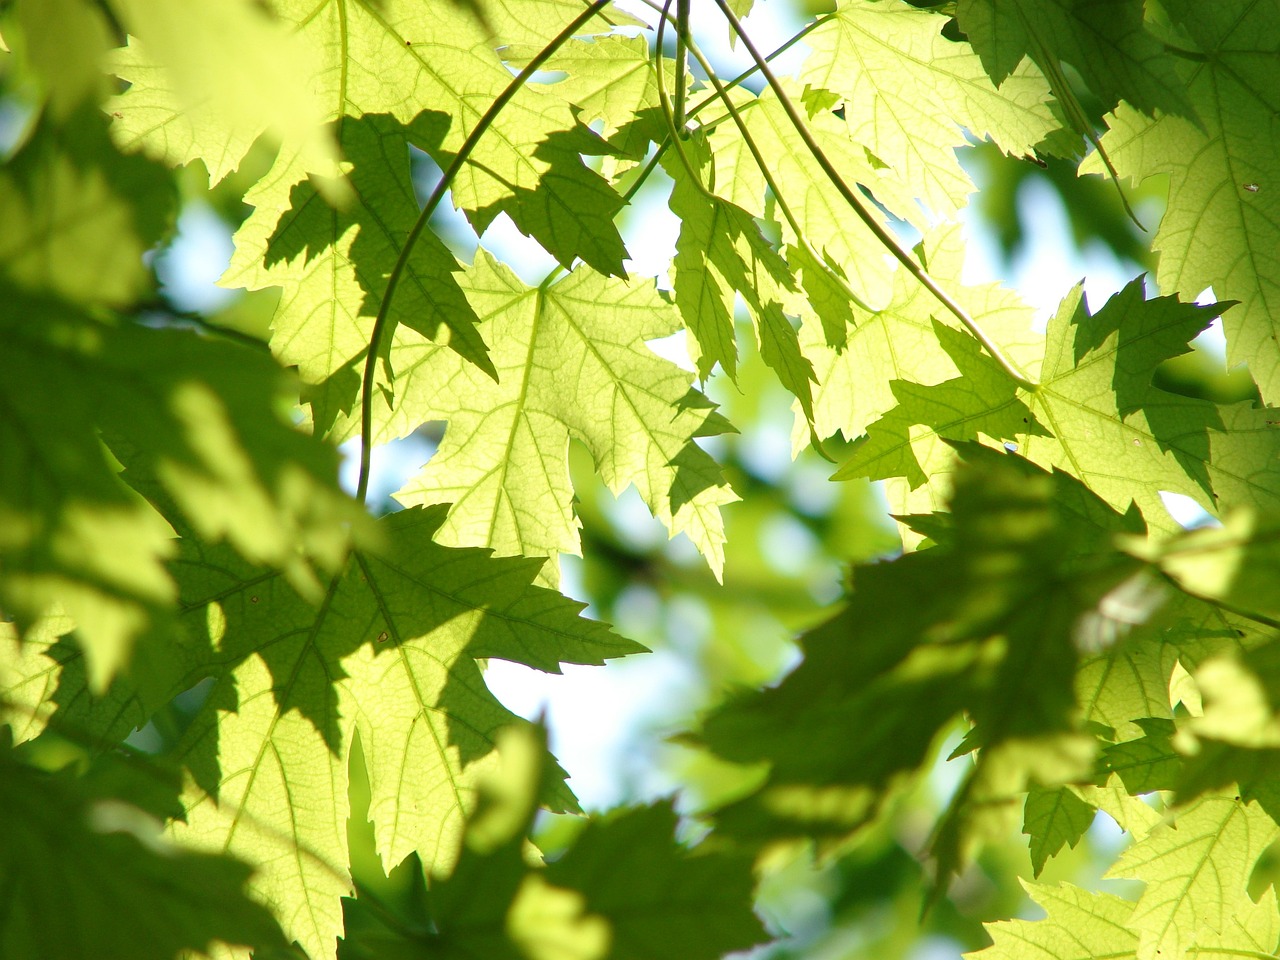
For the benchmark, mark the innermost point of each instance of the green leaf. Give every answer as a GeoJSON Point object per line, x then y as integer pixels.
{"type": "Point", "coordinates": [721, 254]}
{"type": "Point", "coordinates": [1220, 226]}
{"type": "Point", "coordinates": [827, 224]}
{"type": "Point", "coordinates": [1215, 766]}
{"type": "Point", "coordinates": [1149, 763]}
{"type": "Point", "coordinates": [390, 652]}
{"type": "Point", "coordinates": [900, 342]}
{"type": "Point", "coordinates": [207, 418]}
{"type": "Point", "coordinates": [572, 365]}
{"type": "Point", "coordinates": [1051, 818]}
{"type": "Point", "coordinates": [611, 79]}
{"type": "Point", "coordinates": [333, 267]}
{"type": "Point", "coordinates": [207, 80]}
{"type": "Point", "coordinates": [1095, 403]}
{"type": "Point", "coordinates": [79, 215]}
{"type": "Point", "coordinates": [1080, 926]}
{"type": "Point", "coordinates": [894, 448]}
{"type": "Point", "coordinates": [88, 874]}
{"type": "Point", "coordinates": [624, 888]}
{"type": "Point", "coordinates": [1106, 42]}
{"type": "Point", "coordinates": [1030, 555]}
{"type": "Point", "coordinates": [630, 869]}
{"type": "Point", "coordinates": [909, 96]}
{"type": "Point", "coordinates": [1235, 563]}
{"type": "Point", "coordinates": [1196, 871]}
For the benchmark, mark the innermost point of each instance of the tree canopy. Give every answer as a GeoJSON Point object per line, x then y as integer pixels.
{"type": "Point", "coordinates": [244, 708]}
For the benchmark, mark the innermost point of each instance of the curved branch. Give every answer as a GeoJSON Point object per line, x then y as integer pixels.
{"type": "Point", "coordinates": [380, 324]}
{"type": "Point", "coordinates": [878, 229]}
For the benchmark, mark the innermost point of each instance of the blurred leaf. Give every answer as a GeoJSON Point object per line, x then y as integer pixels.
{"type": "Point", "coordinates": [623, 889]}
{"type": "Point", "coordinates": [87, 873]}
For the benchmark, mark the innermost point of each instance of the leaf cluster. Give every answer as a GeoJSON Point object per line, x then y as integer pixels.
{"type": "Point", "coordinates": [208, 647]}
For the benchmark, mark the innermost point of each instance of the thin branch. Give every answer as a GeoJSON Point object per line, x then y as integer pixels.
{"type": "Point", "coordinates": [878, 229]}
{"type": "Point", "coordinates": [668, 111]}
{"type": "Point", "coordinates": [723, 94]}
{"type": "Point", "coordinates": [682, 65]}
{"type": "Point", "coordinates": [380, 324]}
{"type": "Point", "coordinates": [1061, 86]}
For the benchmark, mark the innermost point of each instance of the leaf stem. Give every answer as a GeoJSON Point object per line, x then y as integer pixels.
{"type": "Point", "coordinates": [668, 111]}
{"type": "Point", "coordinates": [753, 69]}
{"type": "Point", "coordinates": [381, 325]}
{"type": "Point", "coordinates": [878, 229]}
{"type": "Point", "coordinates": [1061, 87]}
{"type": "Point", "coordinates": [1185, 54]}
{"type": "Point", "coordinates": [643, 175]}
{"type": "Point", "coordinates": [682, 65]}
{"type": "Point", "coordinates": [723, 94]}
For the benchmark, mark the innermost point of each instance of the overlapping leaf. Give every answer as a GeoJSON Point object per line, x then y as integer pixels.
{"type": "Point", "coordinates": [399, 59]}
{"type": "Point", "coordinates": [333, 268]}
{"type": "Point", "coordinates": [1196, 872]}
{"type": "Point", "coordinates": [1079, 926]}
{"type": "Point", "coordinates": [572, 364]}
{"type": "Point", "coordinates": [901, 341]}
{"type": "Point", "coordinates": [86, 873]}
{"type": "Point", "coordinates": [1094, 407]}
{"type": "Point", "coordinates": [1028, 557]}
{"type": "Point", "coordinates": [909, 94]}
{"type": "Point", "coordinates": [721, 255]}
{"type": "Point", "coordinates": [624, 889]}
{"type": "Point", "coordinates": [1220, 228]}
{"type": "Point", "coordinates": [206, 80]}
{"type": "Point", "coordinates": [390, 652]}
{"type": "Point", "coordinates": [611, 79]}
{"type": "Point", "coordinates": [1105, 40]}
{"type": "Point", "coordinates": [1052, 818]}
{"type": "Point", "coordinates": [828, 226]}
{"type": "Point", "coordinates": [1082, 926]}
{"type": "Point", "coordinates": [198, 410]}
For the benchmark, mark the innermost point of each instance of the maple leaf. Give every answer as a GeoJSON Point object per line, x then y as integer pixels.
{"type": "Point", "coordinates": [1148, 763]}
{"type": "Point", "coordinates": [721, 254]}
{"type": "Point", "coordinates": [1080, 926]}
{"type": "Point", "coordinates": [207, 80]}
{"type": "Point", "coordinates": [1094, 403]}
{"type": "Point", "coordinates": [909, 94]}
{"type": "Point", "coordinates": [900, 340]}
{"type": "Point", "coordinates": [999, 644]}
{"type": "Point", "coordinates": [1234, 563]}
{"type": "Point", "coordinates": [826, 223]}
{"type": "Point", "coordinates": [1129, 676]}
{"type": "Point", "coordinates": [1219, 228]}
{"type": "Point", "coordinates": [622, 889]}
{"type": "Point", "coordinates": [1054, 817]}
{"type": "Point", "coordinates": [1106, 41]}
{"type": "Point", "coordinates": [572, 364]}
{"type": "Point", "coordinates": [193, 407]}
{"type": "Point", "coordinates": [135, 896]}
{"type": "Point", "coordinates": [391, 653]}
{"type": "Point", "coordinates": [1196, 871]}
{"type": "Point", "coordinates": [333, 269]}
{"type": "Point", "coordinates": [611, 79]}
